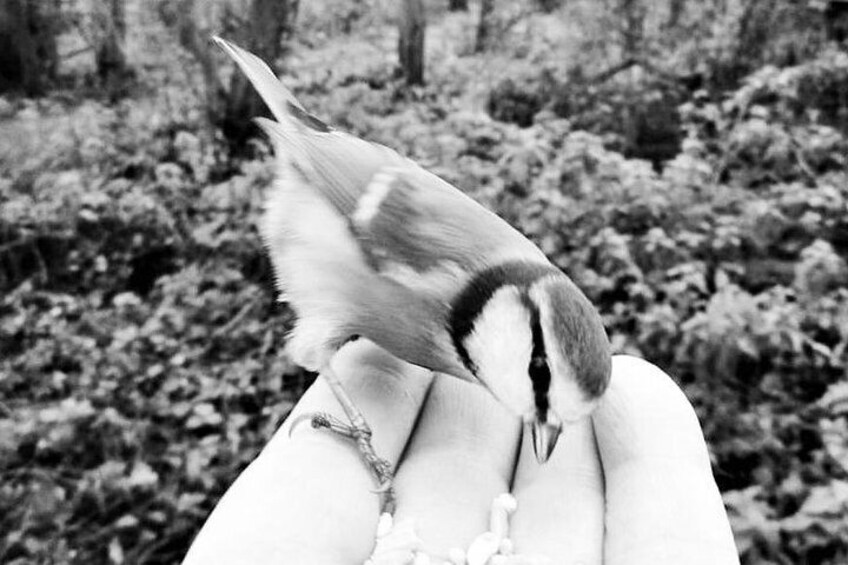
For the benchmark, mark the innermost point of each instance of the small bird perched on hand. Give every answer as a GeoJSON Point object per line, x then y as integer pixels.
{"type": "Point", "coordinates": [364, 242]}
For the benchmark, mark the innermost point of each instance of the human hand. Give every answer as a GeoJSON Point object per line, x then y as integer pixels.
{"type": "Point", "coordinates": [631, 486]}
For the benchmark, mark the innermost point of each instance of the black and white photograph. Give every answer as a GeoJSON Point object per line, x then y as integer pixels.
{"type": "Point", "coordinates": [424, 282]}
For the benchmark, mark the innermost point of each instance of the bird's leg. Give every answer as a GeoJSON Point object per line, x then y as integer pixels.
{"type": "Point", "coordinates": [357, 430]}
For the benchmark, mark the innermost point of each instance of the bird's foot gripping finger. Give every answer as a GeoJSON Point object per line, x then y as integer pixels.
{"type": "Point", "coordinates": [382, 470]}
{"type": "Point", "coordinates": [359, 432]}
{"type": "Point", "coordinates": [322, 420]}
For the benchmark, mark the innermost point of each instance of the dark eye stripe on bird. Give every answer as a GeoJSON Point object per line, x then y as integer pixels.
{"type": "Point", "coordinates": [540, 371]}
{"type": "Point", "coordinates": [469, 303]}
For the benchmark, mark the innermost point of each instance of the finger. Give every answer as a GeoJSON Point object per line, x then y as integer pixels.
{"type": "Point", "coordinates": [561, 503]}
{"type": "Point", "coordinates": [388, 391]}
{"type": "Point", "coordinates": [663, 506]}
{"type": "Point", "coordinates": [460, 457]}
{"type": "Point", "coordinates": [308, 498]}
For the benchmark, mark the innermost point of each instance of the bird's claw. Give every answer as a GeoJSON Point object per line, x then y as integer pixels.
{"type": "Point", "coordinates": [387, 494]}
{"type": "Point", "coordinates": [385, 477]}
{"type": "Point", "coordinates": [321, 420]}
{"type": "Point", "coordinates": [383, 488]}
{"type": "Point", "coordinates": [381, 468]}
{"type": "Point", "coordinates": [298, 421]}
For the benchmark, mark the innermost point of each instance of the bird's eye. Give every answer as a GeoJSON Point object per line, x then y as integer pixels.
{"type": "Point", "coordinates": [540, 376]}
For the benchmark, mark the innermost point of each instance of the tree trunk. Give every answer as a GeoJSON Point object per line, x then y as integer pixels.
{"type": "Point", "coordinates": [231, 107]}
{"type": "Point", "coordinates": [180, 18]}
{"type": "Point", "coordinates": [836, 21]}
{"type": "Point", "coordinates": [484, 25]}
{"type": "Point", "coordinates": [29, 59]}
{"type": "Point", "coordinates": [109, 56]}
{"type": "Point", "coordinates": [548, 6]}
{"type": "Point", "coordinates": [675, 12]}
{"type": "Point", "coordinates": [411, 41]}
{"type": "Point", "coordinates": [633, 29]}
{"type": "Point", "coordinates": [753, 30]}
{"type": "Point", "coordinates": [271, 21]}
{"type": "Point", "coordinates": [458, 5]}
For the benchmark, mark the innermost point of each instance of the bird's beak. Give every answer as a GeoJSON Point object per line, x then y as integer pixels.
{"type": "Point", "coordinates": [545, 435]}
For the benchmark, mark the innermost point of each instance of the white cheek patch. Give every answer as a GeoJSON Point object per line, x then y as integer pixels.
{"type": "Point", "coordinates": [566, 398]}
{"type": "Point", "coordinates": [500, 346]}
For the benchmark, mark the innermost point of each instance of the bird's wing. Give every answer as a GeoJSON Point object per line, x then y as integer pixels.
{"type": "Point", "coordinates": [411, 217]}
{"type": "Point", "coordinates": [413, 226]}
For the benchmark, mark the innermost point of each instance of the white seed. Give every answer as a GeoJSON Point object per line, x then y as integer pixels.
{"type": "Point", "coordinates": [482, 548]}
{"type": "Point", "coordinates": [506, 547]}
{"type": "Point", "coordinates": [499, 521]}
{"type": "Point", "coordinates": [528, 560]}
{"type": "Point", "coordinates": [384, 524]}
{"type": "Point", "coordinates": [457, 556]}
{"type": "Point", "coordinates": [394, 557]}
{"type": "Point", "coordinates": [502, 506]}
{"type": "Point", "coordinates": [421, 559]}
{"type": "Point", "coordinates": [402, 536]}
{"type": "Point", "coordinates": [507, 502]}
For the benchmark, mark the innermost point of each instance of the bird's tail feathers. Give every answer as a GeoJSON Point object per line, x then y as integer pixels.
{"type": "Point", "coordinates": [292, 121]}
{"type": "Point", "coordinates": [288, 145]}
{"type": "Point", "coordinates": [336, 164]}
{"type": "Point", "coordinates": [278, 98]}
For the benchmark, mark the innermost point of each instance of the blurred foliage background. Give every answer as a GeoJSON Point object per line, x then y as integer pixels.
{"type": "Point", "coordinates": [683, 160]}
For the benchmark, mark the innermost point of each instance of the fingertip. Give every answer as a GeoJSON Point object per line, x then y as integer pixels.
{"type": "Point", "coordinates": [561, 502]}
{"type": "Point", "coordinates": [643, 413]}
{"type": "Point", "coordinates": [460, 457]}
{"type": "Point", "coordinates": [663, 505]}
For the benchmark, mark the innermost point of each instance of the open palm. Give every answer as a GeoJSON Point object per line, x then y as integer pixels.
{"type": "Point", "coordinates": [632, 485]}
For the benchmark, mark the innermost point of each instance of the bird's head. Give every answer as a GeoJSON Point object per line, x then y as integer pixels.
{"type": "Point", "coordinates": [537, 343]}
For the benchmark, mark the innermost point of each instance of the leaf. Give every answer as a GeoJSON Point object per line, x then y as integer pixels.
{"type": "Point", "coordinates": [827, 501]}
{"type": "Point", "coordinates": [127, 522]}
{"type": "Point", "coordinates": [67, 410]}
{"type": "Point", "coordinates": [116, 552]}
{"type": "Point", "coordinates": [207, 234]}
{"type": "Point", "coordinates": [142, 476]}
{"type": "Point", "coordinates": [835, 399]}
{"type": "Point", "coordinates": [189, 501]}
{"type": "Point", "coordinates": [204, 414]}
{"type": "Point", "coordinates": [750, 517]}
{"type": "Point", "coordinates": [109, 472]}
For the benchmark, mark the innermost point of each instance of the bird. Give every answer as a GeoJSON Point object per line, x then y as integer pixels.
{"type": "Point", "coordinates": [366, 243]}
